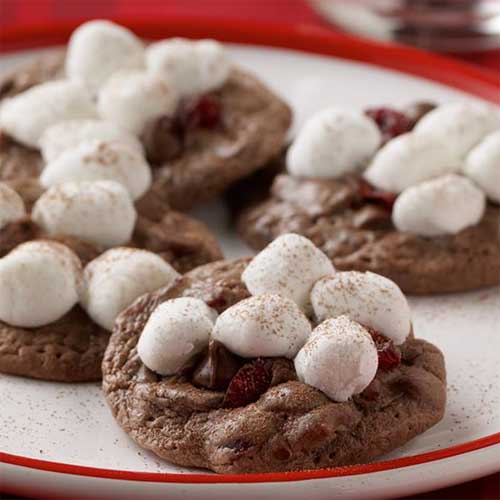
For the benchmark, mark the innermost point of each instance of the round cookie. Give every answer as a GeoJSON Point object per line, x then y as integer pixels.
{"type": "Point", "coordinates": [291, 426]}
{"type": "Point", "coordinates": [254, 122]}
{"type": "Point", "coordinates": [353, 227]}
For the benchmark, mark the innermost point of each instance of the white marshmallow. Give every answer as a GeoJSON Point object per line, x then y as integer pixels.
{"type": "Point", "coordinates": [177, 330]}
{"type": "Point", "coordinates": [100, 160]}
{"type": "Point", "coordinates": [119, 276]}
{"type": "Point", "coordinates": [263, 325]}
{"type": "Point", "coordinates": [97, 49]}
{"type": "Point", "coordinates": [368, 298]}
{"type": "Point", "coordinates": [191, 67]}
{"type": "Point", "coordinates": [71, 133]}
{"type": "Point", "coordinates": [289, 266]}
{"type": "Point", "coordinates": [39, 283]}
{"type": "Point", "coordinates": [340, 359]}
{"type": "Point", "coordinates": [99, 212]}
{"type": "Point", "coordinates": [11, 205]}
{"type": "Point", "coordinates": [460, 125]}
{"type": "Point", "coordinates": [27, 115]}
{"type": "Point", "coordinates": [409, 159]}
{"type": "Point", "coordinates": [132, 99]}
{"type": "Point", "coordinates": [332, 143]}
{"type": "Point", "coordinates": [440, 206]}
{"type": "Point", "coordinates": [482, 165]}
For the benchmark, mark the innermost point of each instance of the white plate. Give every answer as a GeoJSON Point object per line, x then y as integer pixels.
{"type": "Point", "coordinates": [71, 424]}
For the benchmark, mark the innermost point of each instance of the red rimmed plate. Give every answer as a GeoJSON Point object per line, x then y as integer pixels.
{"type": "Point", "coordinates": [61, 440]}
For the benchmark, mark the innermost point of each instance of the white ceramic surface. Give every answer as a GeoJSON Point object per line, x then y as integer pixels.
{"type": "Point", "coordinates": [70, 423]}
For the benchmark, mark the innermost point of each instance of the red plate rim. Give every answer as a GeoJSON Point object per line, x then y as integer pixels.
{"type": "Point", "coordinates": [306, 38]}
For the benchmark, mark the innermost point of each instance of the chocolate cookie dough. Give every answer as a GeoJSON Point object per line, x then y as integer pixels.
{"type": "Point", "coordinates": [355, 230]}
{"type": "Point", "coordinates": [291, 426]}
{"type": "Point", "coordinates": [199, 165]}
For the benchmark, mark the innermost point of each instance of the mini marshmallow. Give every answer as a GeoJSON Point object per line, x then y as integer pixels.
{"type": "Point", "coordinates": [409, 159]}
{"type": "Point", "coordinates": [460, 125]}
{"type": "Point", "coordinates": [100, 160]}
{"type": "Point", "coordinates": [69, 134]}
{"type": "Point", "coordinates": [27, 115]}
{"type": "Point", "coordinates": [482, 165]}
{"type": "Point", "coordinates": [332, 143]}
{"type": "Point", "coordinates": [177, 330]}
{"type": "Point", "coordinates": [263, 325]}
{"type": "Point", "coordinates": [117, 277]}
{"type": "Point", "coordinates": [39, 283]}
{"type": "Point", "coordinates": [11, 205]}
{"type": "Point", "coordinates": [289, 266]}
{"type": "Point", "coordinates": [446, 205]}
{"type": "Point", "coordinates": [99, 212]}
{"type": "Point", "coordinates": [368, 298]}
{"type": "Point", "coordinates": [132, 99]}
{"type": "Point", "coordinates": [98, 49]}
{"type": "Point", "coordinates": [340, 359]}
{"type": "Point", "coordinates": [191, 67]}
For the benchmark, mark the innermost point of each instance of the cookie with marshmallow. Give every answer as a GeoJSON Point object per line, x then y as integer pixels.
{"type": "Point", "coordinates": [98, 49]}
{"type": "Point", "coordinates": [112, 281]}
{"type": "Point", "coordinates": [69, 134]}
{"type": "Point", "coordinates": [368, 298]}
{"type": "Point", "coordinates": [11, 205]}
{"type": "Point", "coordinates": [100, 160]}
{"type": "Point", "coordinates": [39, 284]}
{"type": "Point", "coordinates": [263, 325]}
{"type": "Point", "coordinates": [133, 99]}
{"type": "Point", "coordinates": [482, 165]}
{"type": "Point", "coordinates": [27, 115]}
{"type": "Point", "coordinates": [190, 67]}
{"type": "Point", "coordinates": [340, 359]}
{"type": "Point", "coordinates": [176, 331]}
{"type": "Point", "coordinates": [101, 213]}
{"type": "Point", "coordinates": [442, 206]}
{"type": "Point", "coordinates": [332, 143]}
{"type": "Point", "coordinates": [289, 266]}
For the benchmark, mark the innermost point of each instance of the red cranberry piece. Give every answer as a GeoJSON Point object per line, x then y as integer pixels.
{"type": "Point", "coordinates": [416, 111]}
{"type": "Point", "coordinates": [389, 356]}
{"type": "Point", "coordinates": [390, 122]}
{"type": "Point", "coordinates": [250, 382]}
{"type": "Point", "coordinates": [372, 194]}
{"type": "Point", "coordinates": [204, 112]}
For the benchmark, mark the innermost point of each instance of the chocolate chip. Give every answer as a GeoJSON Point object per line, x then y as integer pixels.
{"type": "Point", "coordinates": [217, 367]}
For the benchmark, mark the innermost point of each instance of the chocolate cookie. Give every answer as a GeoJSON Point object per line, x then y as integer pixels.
{"type": "Point", "coordinates": [290, 426]}
{"type": "Point", "coordinates": [191, 163]}
{"type": "Point", "coordinates": [353, 226]}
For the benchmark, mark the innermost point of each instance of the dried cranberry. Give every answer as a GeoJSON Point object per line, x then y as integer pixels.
{"type": "Point", "coordinates": [417, 110]}
{"type": "Point", "coordinates": [217, 368]}
{"type": "Point", "coordinates": [389, 356]}
{"type": "Point", "coordinates": [390, 122]}
{"type": "Point", "coordinates": [204, 112]}
{"type": "Point", "coordinates": [372, 194]}
{"type": "Point", "coordinates": [250, 382]}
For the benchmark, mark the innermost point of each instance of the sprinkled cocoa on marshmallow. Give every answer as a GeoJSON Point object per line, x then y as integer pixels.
{"type": "Point", "coordinates": [133, 99]}
{"type": "Point", "coordinates": [289, 266]}
{"type": "Point", "coordinates": [116, 278]}
{"type": "Point", "coordinates": [100, 212]}
{"type": "Point", "coordinates": [100, 160]}
{"type": "Point", "coordinates": [191, 67]}
{"type": "Point", "coordinates": [97, 49]}
{"type": "Point", "coordinates": [26, 116]}
{"type": "Point", "coordinates": [445, 205]}
{"type": "Point", "coordinates": [69, 134]}
{"type": "Point", "coordinates": [339, 358]}
{"type": "Point", "coordinates": [176, 331]}
{"type": "Point", "coordinates": [263, 325]}
{"type": "Point", "coordinates": [39, 283]}
{"type": "Point", "coordinates": [368, 298]}
{"type": "Point", "coordinates": [11, 205]}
